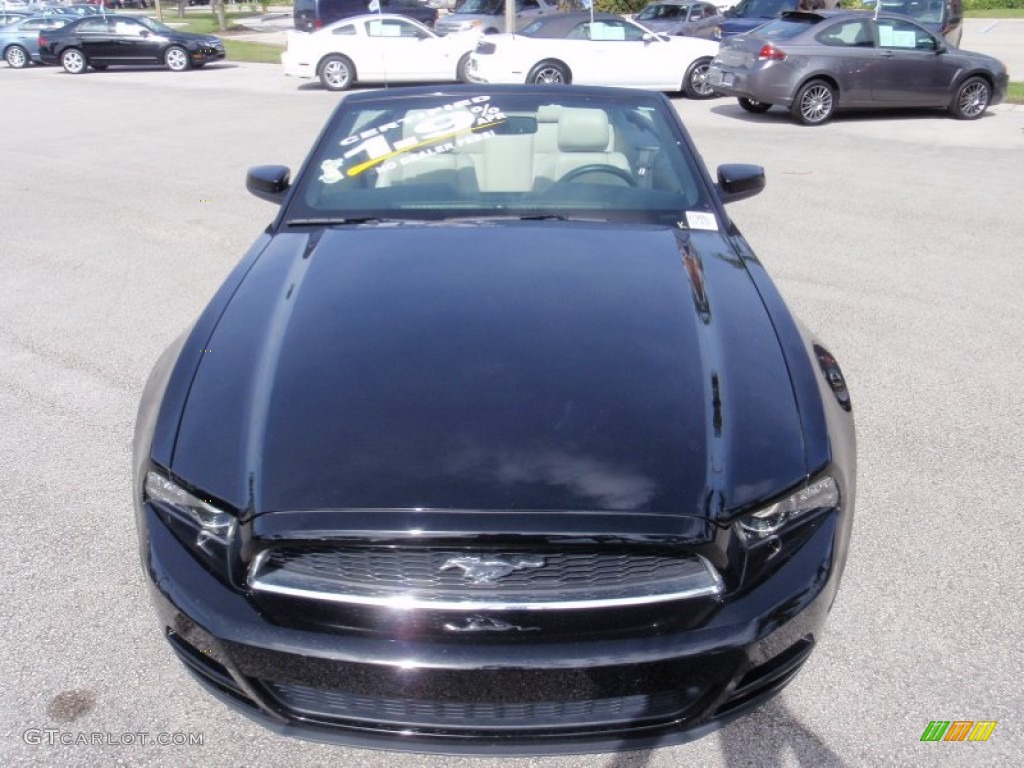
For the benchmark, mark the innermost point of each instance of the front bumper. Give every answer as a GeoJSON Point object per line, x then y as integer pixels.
{"type": "Point", "coordinates": [508, 695]}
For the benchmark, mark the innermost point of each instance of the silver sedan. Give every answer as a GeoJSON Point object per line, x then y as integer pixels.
{"type": "Point", "coordinates": [814, 63]}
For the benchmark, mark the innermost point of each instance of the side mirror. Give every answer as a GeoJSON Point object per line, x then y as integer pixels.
{"type": "Point", "coordinates": [738, 182]}
{"type": "Point", "coordinates": [269, 182]}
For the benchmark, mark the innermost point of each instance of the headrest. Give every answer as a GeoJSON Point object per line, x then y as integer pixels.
{"type": "Point", "coordinates": [583, 130]}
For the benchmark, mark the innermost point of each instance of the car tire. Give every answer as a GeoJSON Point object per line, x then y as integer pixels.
{"type": "Point", "coordinates": [337, 73]}
{"type": "Point", "coordinates": [815, 103]}
{"type": "Point", "coordinates": [17, 57]}
{"type": "Point", "coordinates": [971, 99]}
{"type": "Point", "coordinates": [462, 68]}
{"type": "Point", "coordinates": [176, 59]}
{"type": "Point", "coordinates": [695, 83]}
{"type": "Point", "coordinates": [549, 73]}
{"type": "Point", "coordinates": [73, 61]}
{"type": "Point", "coordinates": [753, 106]}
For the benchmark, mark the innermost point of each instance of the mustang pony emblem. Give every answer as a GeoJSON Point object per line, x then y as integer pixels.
{"type": "Point", "coordinates": [487, 570]}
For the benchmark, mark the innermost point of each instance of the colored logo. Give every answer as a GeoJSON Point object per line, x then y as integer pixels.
{"type": "Point", "coordinates": [959, 730]}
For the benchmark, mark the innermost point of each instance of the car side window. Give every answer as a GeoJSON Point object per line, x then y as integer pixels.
{"type": "Point", "coordinates": [94, 26]}
{"type": "Point", "coordinates": [855, 34]}
{"type": "Point", "coordinates": [696, 13]}
{"type": "Point", "coordinates": [896, 34]}
{"type": "Point", "coordinates": [613, 31]}
{"type": "Point", "coordinates": [527, 5]}
{"type": "Point", "coordinates": [391, 28]}
{"type": "Point", "coordinates": [128, 27]}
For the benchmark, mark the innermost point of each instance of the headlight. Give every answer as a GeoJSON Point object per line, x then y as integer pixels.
{"type": "Point", "coordinates": [821, 494]}
{"type": "Point", "coordinates": [211, 524]}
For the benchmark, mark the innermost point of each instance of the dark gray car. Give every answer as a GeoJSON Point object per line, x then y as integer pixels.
{"type": "Point", "coordinates": [692, 18]}
{"type": "Point", "coordinates": [814, 63]}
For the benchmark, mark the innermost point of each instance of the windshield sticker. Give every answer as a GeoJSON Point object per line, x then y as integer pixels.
{"type": "Point", "coordinates": [701, 220]}
{"type": "Point", "coordinates": [433, 131]}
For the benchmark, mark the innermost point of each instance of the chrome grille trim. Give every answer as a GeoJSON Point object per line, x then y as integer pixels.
{"type": "Point", "coordinates": [692, 577]}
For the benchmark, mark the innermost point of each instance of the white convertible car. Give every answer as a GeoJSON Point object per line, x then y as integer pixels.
{"type": "Point", "coordinates": [598, 49]}
{"type": "Point", "coordinates": [376, 48]}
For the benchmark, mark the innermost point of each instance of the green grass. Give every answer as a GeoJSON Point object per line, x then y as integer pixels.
{"type": "Point", "coordinates": [1015, 93]}
{"type": "Point", "coordinates": [996, 13]}
{"type": "Point", "coordinates": [243, 50]}
{"type": "Point", "coordinates": [204, 22]}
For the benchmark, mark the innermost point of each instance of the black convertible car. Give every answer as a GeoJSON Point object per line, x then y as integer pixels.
{"type": "Point", "coordinates": [499, 439]}
{"type": "Point", "coordinates": [100, 41]}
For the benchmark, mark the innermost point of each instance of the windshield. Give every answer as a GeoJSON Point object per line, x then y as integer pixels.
{"type": "Point", "coordinates": [762, 8]}
{"type": "Point", "coordinates": [485, 7]}
{"type": "Point", "coordinates": [155, 26]}
{"type": "Point", "coordinates": [439, 157]}
{"type": "Point", "coordinates": [654, 12]}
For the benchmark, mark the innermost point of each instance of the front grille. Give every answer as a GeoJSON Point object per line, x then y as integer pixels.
{"type": "Point", "coordinates": [322, 703]}
{"type": "Point", "coordinates": [456, 580]}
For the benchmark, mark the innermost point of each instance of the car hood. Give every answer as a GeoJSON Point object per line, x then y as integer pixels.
{"type": "Point", "coordinates": [515, 366]}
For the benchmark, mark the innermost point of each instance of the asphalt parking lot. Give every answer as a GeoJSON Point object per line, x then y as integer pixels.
{"type": "Point", "coordinates": [896, 236]}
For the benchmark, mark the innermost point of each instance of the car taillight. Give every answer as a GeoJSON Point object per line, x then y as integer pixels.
{"type": "Point", "coordinates": [770, 53]}
{"type": "Point", "coordinates": [317, 23]}
{"type": "Point", "coordinates": [40, 41]}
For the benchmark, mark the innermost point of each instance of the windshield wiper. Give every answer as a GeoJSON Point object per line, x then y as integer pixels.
{"type": "Point", "coordinates": [335, 221]}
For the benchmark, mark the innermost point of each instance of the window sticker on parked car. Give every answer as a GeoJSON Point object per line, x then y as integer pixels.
{"type": "Point", "coordinates": [701, 220]}
{"type": "Point", "coordinates": [432, 131]}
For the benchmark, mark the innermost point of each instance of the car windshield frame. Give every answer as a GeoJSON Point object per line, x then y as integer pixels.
{"type": "Point", "coordinates": [369, 142]}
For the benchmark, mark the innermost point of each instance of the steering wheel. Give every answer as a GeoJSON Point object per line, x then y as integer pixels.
{"type": "Point", "coordinates": [612, 170]}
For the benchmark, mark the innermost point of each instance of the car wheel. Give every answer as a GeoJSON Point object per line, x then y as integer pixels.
{"type": "Point", "coordinates": [549, 73]}
{"type": "Point", "coordinates": [815, 103]}
{"type": "Point", "coordinates": [461, 69]}
{"type": "Point", "coordinates": [17, 57]}
{"type": "Point", "coordinates": [73, 61]}
{"type": "Point", "coordinates": [971, 99]}
{"type": "Point", "coordinates": [337, 73]}
{"type": "Point", "coordinates": [753, 105]}
{"type": "Point", "coordinates": [695, 84]}
{"type": "Point", "coordinates": [176, 59]}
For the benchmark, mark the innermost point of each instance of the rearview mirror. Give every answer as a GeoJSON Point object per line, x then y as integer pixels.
{"type": "Point", "coordinates": [269, 182]}
{"type": "Point", "coordinates": [739, 181]}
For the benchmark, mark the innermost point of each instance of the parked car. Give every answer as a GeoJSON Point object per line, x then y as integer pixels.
{"type": "Point", "coordinates": [84, 9]}
{"type": "Point", "coordinates": [9, 17]}
{"type": "Point", "coordinates": [598, 49]}
{"type": "Point", "coordinates": [311, 15]}
{"type": "Point", "coordinates": [747, 14]}
{"type": "Point", "coordinates": [414, 9]}
{"type": "Point", "coordinates": [488, 16]}
{"type": "Point", "coordinates": [693, 18]}
{"type": "Point", "coordinates": [817, 62]}
{"type": "Point", "coordinates": [19, 41]}
{"type": "Point", "coordinates": [498, 439]}
{"type": "Point", "coordinates": [376, 49]}
{"type": "Point", "coordinates": [102, 41]}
